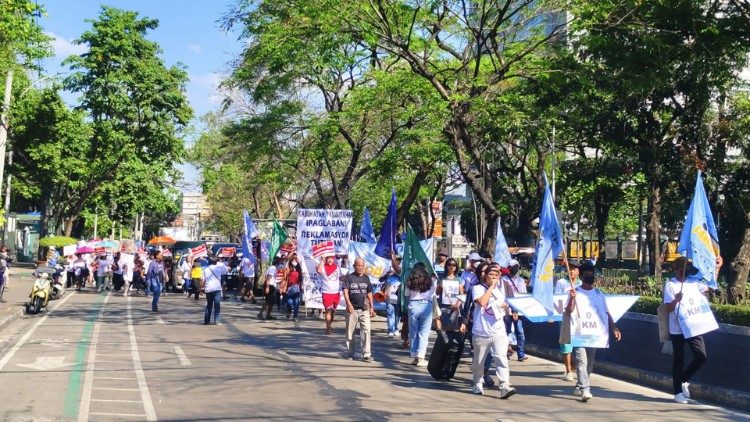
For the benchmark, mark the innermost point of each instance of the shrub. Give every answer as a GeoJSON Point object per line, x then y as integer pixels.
{"type": "Point", "coordinates": [57, 241]}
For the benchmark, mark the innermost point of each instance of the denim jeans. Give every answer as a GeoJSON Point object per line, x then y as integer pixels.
{"type": "Point", "coordinates": [155, 287]}
{"type": "Point", "coordinates": [101, 282]}
{"type": "Point", "coordinates": [394, 315]}
{"type": "Point", "coordinates": [292, 302]}
{"type": "Point", "coordinates": [213, 303]}
{"type": "Point", "coordinates": [420, 321]}
{"type": "Point", "coordinates": [520, 337]}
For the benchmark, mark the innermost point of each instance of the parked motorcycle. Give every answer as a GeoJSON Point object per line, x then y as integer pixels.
{"type": "Point", "coordinates": [59, 281]}
{"type": "Point", "coordinates": [40, 291]}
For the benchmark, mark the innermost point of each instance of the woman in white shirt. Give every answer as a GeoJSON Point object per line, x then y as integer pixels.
{"type": "Point", "coordinates": [421, 289]}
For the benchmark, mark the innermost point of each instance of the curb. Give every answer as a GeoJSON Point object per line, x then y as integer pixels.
{"type": "Point", "coordinates": [736, 399]}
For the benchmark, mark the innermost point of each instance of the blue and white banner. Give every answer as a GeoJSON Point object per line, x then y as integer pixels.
{"type": "Point", "coordinates": [529, 307]}
{"type": "Point", "coordinates": [694, 314]}
{"type": "Point", "coordinates": [502, 253]}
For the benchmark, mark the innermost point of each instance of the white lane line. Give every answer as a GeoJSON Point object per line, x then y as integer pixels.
{"type": "Point", "coordinates": [160, 321]}
{"type": "Point", "coordinates": [148, 405]}
{"type": "Point", "coordinates": [8, 356]}
{"type": "Point", "coordinates": [115, 378]}
{"type": "Point", "coordinates": [181, 356]}
{"type": "Point", "coordinates": [116, 401]}
{"type": "Point", "coordinates": [115, 389]}
{"type": "Point", "coordinates": [127, 415]}
{"type": "Point", "coordinates": [88, 376]}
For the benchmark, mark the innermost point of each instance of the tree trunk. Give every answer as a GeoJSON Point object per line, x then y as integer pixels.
{"type": "Point", "coordinates": [740, 269]}
{"type": "Point", "coordinates": [601, 210]}
{"type": "Point", "coordinates": [488, 240]}
{"type": "Point", "coordinates": [653, 231]}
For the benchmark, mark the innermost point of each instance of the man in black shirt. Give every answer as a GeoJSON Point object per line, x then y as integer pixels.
{"type": "Point", "coordinates": [359, 308]}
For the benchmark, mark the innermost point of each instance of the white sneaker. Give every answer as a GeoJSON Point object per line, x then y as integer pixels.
{"type": "Point", "coordinates": [686, 389]}
{"type": "Point", "coordinates": [586, 396]}
{"type": "Point", "coordinates": [568, 376]}
{"type": "Point", "coordinates": [422, 363]}
{"type": "Point", "coordinates": [577, 392]}
{"type": "Point", "coordinates": [478, 389]}
{"type": "Point", "coordinates": [680, 398]}
{"type": "Point", "coordinates": [507, 392]}
{"type": "Point", "coordinates": [391, 334]}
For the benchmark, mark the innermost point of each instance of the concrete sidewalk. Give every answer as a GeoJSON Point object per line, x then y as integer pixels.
{"type": "Point", "coordinates": [16, 295]}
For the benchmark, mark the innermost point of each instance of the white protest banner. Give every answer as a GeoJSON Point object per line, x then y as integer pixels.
{"type": "Point", "coordinates": [312, 292]}
{"type": "Point", "coordinates": [535, 312]}
{"type": "Point", "coordinates": [694, 314]}
{"type": "Point", "coordinates": [589, 324]}
{"type": "Point", "coordinates": [319, 225]}
{"type": "Point", "coordinates": [199, 252]}
{"type": "Point", "coordinates": [69, 250]}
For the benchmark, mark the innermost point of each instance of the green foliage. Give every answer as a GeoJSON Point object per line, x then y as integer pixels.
{"type": "Point", "coordinates": [21, 37]}
{"type": "Point", "coordinates": [57, 241]}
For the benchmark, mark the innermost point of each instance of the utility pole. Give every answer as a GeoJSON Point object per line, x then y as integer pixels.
{"type": "Point", "coordinates": [4, 121]}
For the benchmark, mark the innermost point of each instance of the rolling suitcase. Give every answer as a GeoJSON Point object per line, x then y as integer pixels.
{"type": "Point", "coordinates": [446, 354]}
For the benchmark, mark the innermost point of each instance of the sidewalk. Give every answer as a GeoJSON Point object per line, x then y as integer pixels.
{"type": "Point", "coordinates": [16, 295]}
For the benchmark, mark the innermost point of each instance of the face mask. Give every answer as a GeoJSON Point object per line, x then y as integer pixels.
{"type": "Point", "coordinates": [294, 263]}
{"type": "Point", "coordinates": [514, 271]}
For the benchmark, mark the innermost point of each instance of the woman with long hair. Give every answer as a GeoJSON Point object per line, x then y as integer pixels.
{"type": "Point", "coordinates": [292, 287]}
{"type": "Point", "coordinates": [421, 289]}
{"type": "Point", "coordinates": [450, 286]}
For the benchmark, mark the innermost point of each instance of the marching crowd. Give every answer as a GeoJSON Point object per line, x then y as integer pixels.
{"type": "Point", "coordinates": [469, 303]}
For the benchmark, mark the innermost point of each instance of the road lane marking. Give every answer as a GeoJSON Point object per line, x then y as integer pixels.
{"type": "Point", "coordinates": [116, 400]}
{"type": "Point", "coordinates": [160, 321]}
{"type": "Point", "coordinates": [181, 356]}
{"type": "Point", "coordinates": [148, 405]}
{"type": "Point", "coordinates": [115, 389]}
{"type": "Point", "coordinates": [116, 378]}
{"type": "Point", "coordinates": [8, 356]}
{"type": "Point", "coordinates": [88, 376]}
{"type": "Point", "coordinates": [45, 363]}
{"type": "Point", "coordinates": [128, 415]}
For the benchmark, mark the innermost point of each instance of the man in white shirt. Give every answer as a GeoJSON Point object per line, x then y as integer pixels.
{"type": "Point", "coordinates": [468, 276]}
{"type": "Point", "coordinates": [247, 268]}
{"type": "Point", "coordinates": [212, 287]}
{"type": "Point", "coordinates": [269, 289]}
{"type": "Point", "coordinates": [515, 284]}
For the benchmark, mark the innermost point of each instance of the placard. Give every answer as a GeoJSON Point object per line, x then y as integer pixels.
{"type": "Point", "coordinates": [69, 250]}
{"type": "Point", "coordinates": [529, 307]}
{"type": "Point", "coordinates": [630, 250]}
{"type": "Point", "coordinates": [611, 249]}
{"type": "Point", "coordinates": [319, 225]}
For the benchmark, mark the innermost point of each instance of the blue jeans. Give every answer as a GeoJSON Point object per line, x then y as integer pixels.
{"type": "Point", "coordinates": [155, 287]}
{"type": "Point", "coordinates": [186, 284]}
{"type": "Point", "coordinates": [520, 337]}
{"type": "Point", "coordinates": [420, 322]}
{"type": "Point", "coordinates": [213, 303]}
{"type": "Point", "coordinates": [394, 315]}
{"type": "Point", "coordinates": [292, 302]}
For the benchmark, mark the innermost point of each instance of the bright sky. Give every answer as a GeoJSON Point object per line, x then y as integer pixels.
{"type": "Point", "coordinates": [188, 32]}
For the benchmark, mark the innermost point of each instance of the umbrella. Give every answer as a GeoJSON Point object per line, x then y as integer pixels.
{"type": "Point", "coordinates": [107, 244]}
{"type": "Point", "coordinates": [85, 249]}
{"type": "Point", "coordinates": [162, 240]}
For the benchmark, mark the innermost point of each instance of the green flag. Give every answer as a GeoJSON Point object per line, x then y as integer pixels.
{"type": "Point", "coordinates": [277, 239]}
{"type": "Point", "coordinates": [413, 253]}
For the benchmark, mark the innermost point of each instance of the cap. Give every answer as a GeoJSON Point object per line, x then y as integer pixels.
{"type": "Point", "coordinates": [681, 262]}
{"type": "Point", "coordinates": [443, 252]}
{"type": "Point", "coordinates": [475, 257]}
{"type": "Point", "coordinates": [513, 263]}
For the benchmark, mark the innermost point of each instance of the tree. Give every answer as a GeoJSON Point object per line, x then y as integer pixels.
{"type": "Point", "coordinates": [138, 110]}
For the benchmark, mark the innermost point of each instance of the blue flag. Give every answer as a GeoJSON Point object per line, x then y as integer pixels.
{"type": "Point", "coordinates": [549, 246]}
{"type": "Point", "coordinates": [387, 240]}
{"type": "Point", "coordinates": [699, 240]}
{"type": "Point", "coordinates": [502, 253]}
{"type": "Point", "coordinates": [247, 236]}
{"type": "Point", "coordinates": [367, 233]}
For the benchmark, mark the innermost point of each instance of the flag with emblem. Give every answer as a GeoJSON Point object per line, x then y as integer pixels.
{"type": "Point", "coordinates": [699, 240]}
{"type": "Point", "coordinates": [548, 247]}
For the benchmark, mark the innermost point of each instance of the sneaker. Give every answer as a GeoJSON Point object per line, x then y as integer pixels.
{"type": "Point", "coordinates": [478, 389]}
{"type": "Point", "coordinates": [586, 396]}
{"type": "Point", "coordinates": [415, 361]}
{"type": "Point", "coordinates": [507, 392]}
{"type": "Point", "coordinates": [287, 317]}
{"type": "Point", "coordinates": [577, 392]}
{"type": "Point", "coordinates": [523, 358]}
{"type": "Point", "coordinates": [260, 316]}
{"type": "Point", "coordinates": [422, 363]}
{"type": "Point", "coordinates": [349, 357]}
{"type": "Point", "coordinates": [3, 300]}
{"type": "Point", "coordinates": [243, 299]}
{"type": "Point", "coordinates": [680, 398]}
{"type": "Point", "coordinates": [686, 389]}
{"type": "Point", "coordinates": [488, 381]}
{"type": "Point", "coordinates": [568, 376]}
{"type": "Point", "coordinates": [391, 334]}
{"type": "Point", "coordinates": [367, 359]}
{"type": "Point", "coordinates": [296, 319]}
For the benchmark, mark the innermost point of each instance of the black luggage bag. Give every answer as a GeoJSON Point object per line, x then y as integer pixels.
{"type": "Point", "coordinates": [446, 354]}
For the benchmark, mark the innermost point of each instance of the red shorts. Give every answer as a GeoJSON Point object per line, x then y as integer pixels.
{"type": "Point", "coordinates": [331, 300]}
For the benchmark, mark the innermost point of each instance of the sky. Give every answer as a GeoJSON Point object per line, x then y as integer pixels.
{"type": "Point", "coordinates": [188, 32]}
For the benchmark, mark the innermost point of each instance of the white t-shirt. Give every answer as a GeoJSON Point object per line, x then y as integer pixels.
{"type": "Point", "coordinates": [332, 282]}
{"type": "Point", "coordinates": [248, 268]}
{"type": "Point", "coordinates": [450, 290]}
{"type": "Point", "coordinates": [127, 269]}
{"type": "Point", "coordinates": [392, 287]}
{"type": "Point", "coordinates": [515, 284]}
{"type": "Point", "coordinates": [597, 300]}
{"type": "Point", "coordinates": [186, 270]}
{"type": "Point", "coordinates": [271, 275]}
{"type": "Point", "coordinates": [426, 295]}
{"type": "Point", "coordinates": [212, 277]}
{"type": "Point", "coordinates": [562, 286]}
{"type": "Point", "coordinates": [104, 266]}
{"type": "Point", "coordinates": [488, 321]}
{"type": "Point", "coordinates": [690, 288]}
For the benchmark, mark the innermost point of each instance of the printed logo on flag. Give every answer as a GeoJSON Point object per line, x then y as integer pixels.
{"type": "Point", "coordinates": [200, 251]}
{"type": "Point", "coordinates": [322, 249]}
{"type": "Point", "coordinates": [227, 252]}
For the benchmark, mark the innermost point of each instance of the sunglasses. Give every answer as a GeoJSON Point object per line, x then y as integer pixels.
{"type": "Point", "coordinates": [452, 265]}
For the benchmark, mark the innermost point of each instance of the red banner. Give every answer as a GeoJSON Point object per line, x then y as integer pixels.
{"type": "Point", "coordinates": [288, 248]}
{"type": "Point", "coordinates": [227, 252]}
{"type": "Point", "coordinates": [200, 251]}
{"type": "Point", "coordinates": [323, 249]}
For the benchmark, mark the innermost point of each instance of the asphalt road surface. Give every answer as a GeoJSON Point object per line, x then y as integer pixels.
{"type": "Point", "coordinates": [104, 357]}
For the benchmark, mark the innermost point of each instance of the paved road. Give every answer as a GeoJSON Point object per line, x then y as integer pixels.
{"type": "Point", "coordinates": [105, 357]}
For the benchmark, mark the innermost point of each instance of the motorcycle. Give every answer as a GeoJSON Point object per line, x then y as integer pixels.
{"type": "Point", "coordinates": [40, 291]}
{"type": "Point", "coordinates": [59, 281]}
